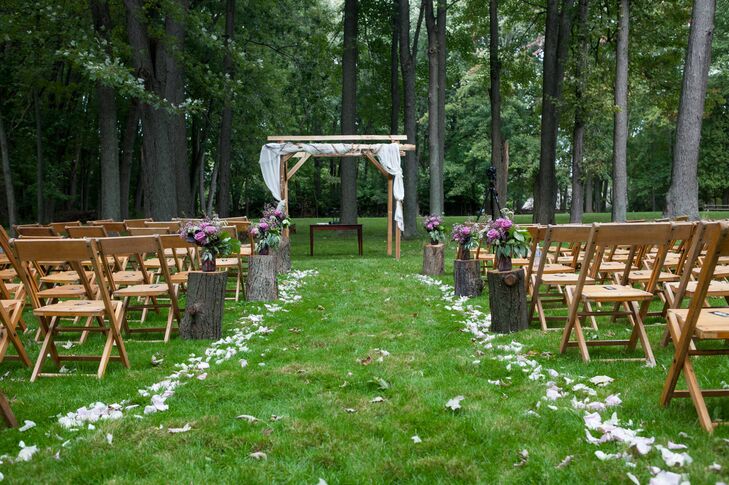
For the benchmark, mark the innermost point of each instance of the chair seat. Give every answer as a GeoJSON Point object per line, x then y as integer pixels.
{"type": "Point", "coordinates": [519, 261]}
{"type": "Point", "coordinates": [643, 276]}
{"type": "Point", "coordinates": [63, 277]}
{"type": "Point", "coordinates": [154, 263]}
{"type": "Point", "coordinates": [227, 262]}
{"type": "Point", "coordinates": [569, 259]}
{"type": "Point", "coordinates": [63, 291]}
{"type": "Point", "coordinates": [142, 290]}
{"type": "Point", "coordinates": [713, 323]}
{"type": "Point", "coordinates": [482, 256]}
{"type": "Point", "coordinates": [84, 308]}
{"type": "Point", "coordinates": [12, 287]}
{"type": "Point", "coordinates": [720, 271]}
{"type": "Point", "coordinates": [179, 278]}
{"type": "Point", "coordinates": [7, 274]}
{"type": "Point", "coordinates": [128, 277]}
{"type": "Point", "coordinates": [246, 250]}
{"type": "Point", "coordinates": [179, 252]}
{"type": "Point", "coordinates": [553, 268]}
{"type": "Point", "coordinates": [560, 279]}
{"type": "Point", "coordinates": [614, 293]}
{"type": "Point", "coordinates": [716, 288]}
{"type": "Point", "coordinates": [8, 305]}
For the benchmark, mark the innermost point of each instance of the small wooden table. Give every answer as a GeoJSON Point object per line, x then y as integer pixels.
{"type": "Point", "coordinates": [334, 227]}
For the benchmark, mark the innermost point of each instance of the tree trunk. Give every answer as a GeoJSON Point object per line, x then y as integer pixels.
{"type": "Point", "coordinates": [261, 283]}
{"type": "Point", "coordinates": [442, 72]}
{"type": "Point", "coordinates": [7, 175]}
{"type": "Point", "coordinates": [226, 124]}
{"type": "Point", "coordinates": [160, 162]}
{"type": "Point", "coordinates": [683, 195]}
{"type": "Point", "coordinates": [433, 259]}
{"type": "Point", "coordinates": [556, 47]}
{"type": "Point", "coordinates": [203, 318]}
{"type": "Point", "coordinates": [434, 148]}
{"type": "Point", "coordinates": [348, 171]}
{"type": "Point", "coordinates": [408, 60]}
{"type": "Point", "coordinates": [283, 256]}
{"type": "Point", "coordinates": [109, 145]}
{"type": "Point", "coordinates": [467, 277]}
{"type": "Point", "coordinates": [394, 71]}
{"type": "Point", "coordinates": [127, 157]}
{"type": "Point", "coordinates": [507, 300]}
{"type": "Point", "coordinates": [578, 134]}
{"type": "Point", "coordinates": [620, 130]}
{"type": "Point", "coordinates": [40, 163]}
{"type": "Point", "coordinates": [497, 159]}
{"type": "Point", "coordinates": [589, 185]}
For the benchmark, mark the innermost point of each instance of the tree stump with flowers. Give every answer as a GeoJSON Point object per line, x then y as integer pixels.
{"type": "Point", "coordinates": [466, 271]}
{"type": "Point", "coordinates": [283, 256]}
{"type": "Point", "coordinates": [203, 318]}
{"type": "Point", "coordinates": [434, 253]}
{"type": "Point", "coordinates": [261, 284]}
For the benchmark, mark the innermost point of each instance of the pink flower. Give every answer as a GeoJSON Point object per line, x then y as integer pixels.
{"type": "Point", "coordinates": [278, 213]}
{"type": "Point", "coordinates": [263, 226]}
{"type": "Point", "coordinates": [201, 238]}
{"type": "Point", "coordinates": [466, 231]}
{"type": "Point", "coordinates": [210, 229]}
{"type": "Point", "coordinates": [254, 231]}
{"type": "Point", "coordinates": [493, 235]}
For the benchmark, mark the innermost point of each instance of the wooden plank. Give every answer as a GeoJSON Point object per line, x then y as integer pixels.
{"type": "Point", "coordinates": [389, 216]}
{"type": "Point", "coordinates": [307, 138]}
{"type": "Point", "coordinates": [298, 165]}
{"type": "Point", "coordinates": [369, 156]}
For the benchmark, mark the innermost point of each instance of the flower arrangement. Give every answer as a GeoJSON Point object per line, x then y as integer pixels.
{"type": "Point", "coordinates": [434, 226]}
{"type": "Point", "coordinates": [267, 234]}
{"type": "Point", "coordinates": [271, 212]}
{"type": "Point", "coordinates": [208, 234]}
{"type": "Point", "coordinates": [507, 240]}
{"type": "Point", "coordinates": [467, 236]}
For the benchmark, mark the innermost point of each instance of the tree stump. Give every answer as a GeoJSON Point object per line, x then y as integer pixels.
{"type": "Point", "coordinates": [283, 256]}
{"type": "Point", "coordinates": [433, 259]}
{"type": "Point", "coordinates": [261, 283]}
{"type": "Point", "coordinates": [467, 277]}
{"type": "Point", "coordinates": [507, 299]}
{"type": "Point", "coordinates": [203, 318]}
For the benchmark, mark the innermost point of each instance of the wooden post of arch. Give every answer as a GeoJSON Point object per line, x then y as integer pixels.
{"type": "Point", "coordinates": [389, 215]}
{"type": "Point", "coordinates": [285, 186]}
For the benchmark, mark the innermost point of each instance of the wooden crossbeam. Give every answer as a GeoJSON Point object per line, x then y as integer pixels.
{"type": "Point", "coordinates": [308, 138]}
{"type": "Point", "coordinates": [298, 165]}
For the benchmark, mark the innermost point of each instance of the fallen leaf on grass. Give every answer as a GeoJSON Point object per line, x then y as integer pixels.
{"type": "Point", "coordinates": [184, 429]}
{"type": "Point", "coordinates": [243, 363]}
{"type": "Point", "coordinates": [523, 458]}
{"type": "Point", "coordinates": [666, 478]}
{"type": "Point", "coordinates": [601, 380]}
{"type": "Point", "coordinates": [714, 467]}
{"type": "Point", "coordinates": [377, 399]}
{"type": "Point", "coordinates": [276, 418]}
{"type": "Point", "coordinates": [155, 361]}
{"type": "Point", "coordinates": [454, 403]}
{"type": "Point", "coordinates": [28, 424]}
{"type": "Point", "coordinates": [109, 438]}
{"type": "Point", "coordinates": [259, 455]}
{"type": "Point", "coordinates": [350, 410]}
{"type": "Point", "coordinates": [633, 478]}
{"type": "Point", "coordinates": [381, 383]}
{"type": "Point", "coordinates": [366, 361]}
{"type": "Point", "coordinates": [26, 452]}
{"type": "Point", "coordinates": [567, 460]}
{"type": "Point", "coordinates": [247, 417]}
{"type": "Point", "coordinates": [416, 439]}
{"type": "Point", "coordinates": [295, 330]}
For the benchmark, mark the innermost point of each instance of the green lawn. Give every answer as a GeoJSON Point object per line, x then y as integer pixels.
{"type": "Point", "coordinates": [364, 328]}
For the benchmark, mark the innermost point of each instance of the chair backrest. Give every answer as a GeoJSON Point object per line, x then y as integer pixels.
{"type": "Point", "coordinates": [74, 252]}
{"type": "Point", "coordinates": [35, 231]}
{"type": "Point", "coordinates": [135, 222]}
{"type": "Point", "coordinates": [86, 231]}
{"type": "Point", "coordinates": [174, 241]}
{"type": "Point", "coordinates": [555, 238]}
{"type": "Point", "coordinates": [60, 227]}
{"type": "Point", "coordinates": [148, 231]}
{"type": "Point", "coordinates": [173, 226]}
{"type": "Point", "coordinates": [716, 237]}
{"type": "Point", "coordinates": [637, 237]}
{"type": "Point", "coordinates": [137, 247]}
{"type": "Point", "coordinates": [112, 227]}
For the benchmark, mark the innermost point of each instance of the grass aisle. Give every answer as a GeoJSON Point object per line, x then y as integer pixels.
{"type": "Point", "coordinates": [364, 329]}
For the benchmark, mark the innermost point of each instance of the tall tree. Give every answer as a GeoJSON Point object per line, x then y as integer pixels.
{"type": "Point", "coordinates": [40, 166]}
{"type": "Point", "coordinates": [556, 48]}
{"type": "Point", "coordinates": [108, 139]}
{"type": "Point", "coordinates": [408, 61]}
{"type": "Point", "coordinates": [497, 153]}
{"type": "Point", "coordinates": [395, 70]}
{"type": "Point", "coordinates": [578, 133]}
{"type": "Point", "coordinates": [348, 171]}
{"type": "Point", "coordinates": [226, 124]}
{"type": "Point", "coordinates": [683, 195]}
{"type": "Point", "coordinates": [150, 59]}
{"type": "Point", "coordinates": [434, 147]}
{"type": "Point", "coordinates": [7, 174]}
{"type": "Point", "coordinates": [620, 131]}
{"type": "Point", "coordinates": [442, 74]}
{"type": "Point", "coordinates": [129, 137]}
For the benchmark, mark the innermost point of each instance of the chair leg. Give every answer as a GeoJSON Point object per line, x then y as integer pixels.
{"type": "Point", "coordinates": [47, 347]}
{"type": "Point", "coordinates": [7, 412]}
{"type": "Point", "coordinates": [640, 333]}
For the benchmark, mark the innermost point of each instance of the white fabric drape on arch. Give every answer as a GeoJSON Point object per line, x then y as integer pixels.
{"type": "Point", "coordinates": [387, 153]}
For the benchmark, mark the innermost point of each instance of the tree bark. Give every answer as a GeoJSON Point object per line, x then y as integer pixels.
{"type": "Point", "coordinates": [556, 48]}
{"type": "Point", "coordinates": [283, 256]}
{"type": "Point", "coordinates": [434, 148]}
{"type": "Point", "coordinates": [442, 72]}
{"type": "Point", "coordinates": [589, 185]}
{"type": "Point", "coordinates": [578, 134]}
{"type": "Point", "coordinates": [408, 60]}
{"type": "Point", "coordinates": [127, 157]}
{"type": "Point", "coordinates": [261, 283]}
{"type": "Point", "coordinates": [160, 166]}
{"type": "Point", "coordinates": [348, 171]}
{"type": "Point", "coordinates": [40, 163]}
{"type": "Point", "coordinates": [203, 318]}
{"type": "Point", "coordinates": [620, 130]}
{"type": "Point", "coordinates": [507, 298]}
{"type": "Point", "coordinates": [467, 277]}
{"type": "Point", "coordinates": [683, 195]}
{"type": "Point", "coordinates": [394, 70]}
{"type": "Point", "coordinates": [497, 159]}
{"type": "Point", "coordinates": [226, 124]}
{"type": "Point", "coordinates": [7, 174]}
{"type": "Point", "coordinates": [433, 259]}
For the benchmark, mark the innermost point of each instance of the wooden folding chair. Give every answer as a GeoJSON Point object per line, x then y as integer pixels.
{"type": "Point", "coordinates": [172, 244]}
{"type": "Point", "coordinates": [233, 265]}
{"type": "Point", "coordinates": [635, 301]}
{"type": "Point", "coordinates": [35, 231]}
{"type": "Point", "coordinates": [11, 312]}
{"type": "Point", "coordinates": [96, 303]}
{"type": "Point", "coordinates": [689, 327]}
{"type": "Point", "coordinates": [548, 280]}
{"type": "Point", "coordinates": [138, 247]}
{"type": "Point", "coordinates": [60, 227]}
{"type": "Point", "coordinates": [129, 223]}
{"type": "Point", "coordinates": [113, 228]}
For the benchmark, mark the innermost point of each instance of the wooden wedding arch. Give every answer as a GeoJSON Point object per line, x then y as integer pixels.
{"type": "Point", "coordinates": [361, 146]}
